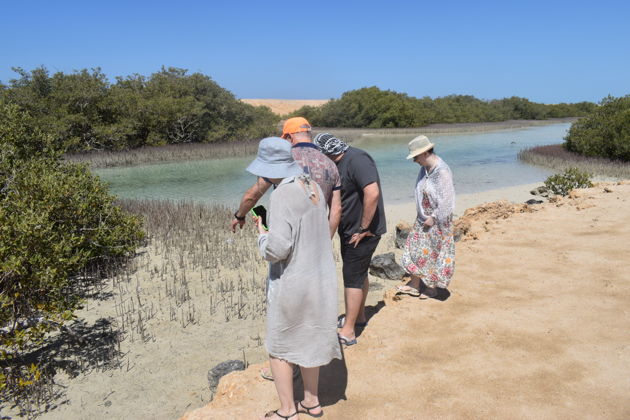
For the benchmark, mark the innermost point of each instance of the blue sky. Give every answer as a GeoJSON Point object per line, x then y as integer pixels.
{"type": "Point", "coordinates": [547, 51]}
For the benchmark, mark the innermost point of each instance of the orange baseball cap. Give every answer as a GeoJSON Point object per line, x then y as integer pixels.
{"type": "Point", "coordinates": [295, 125]}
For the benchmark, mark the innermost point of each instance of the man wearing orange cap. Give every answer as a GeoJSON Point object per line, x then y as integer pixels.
{"type": "Point", "coordinates": [297, 131]}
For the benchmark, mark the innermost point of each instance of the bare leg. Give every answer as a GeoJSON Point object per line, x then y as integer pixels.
{"type": "Point", "coordinates": [283, 380]}
{"type": "Point", "coordinates": [355, 308]}
{"type": "Point", "coordinates": [310, 377]}
{"type": "Point", "coordinates": [366, 288]}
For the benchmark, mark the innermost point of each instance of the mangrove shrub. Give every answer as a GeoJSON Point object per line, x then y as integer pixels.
{"type": "Point", "coordinates": [56, 220]}
{"type": "Point", "coordinates": [83, 111]}
{"type": "Point", "coordinates": [605, 133]}
{"type": "Point", "coordinates": [571, 178]}
{"type": "Point", "coordinates": [372, 107]}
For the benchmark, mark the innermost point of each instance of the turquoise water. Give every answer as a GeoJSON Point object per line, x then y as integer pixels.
{"type": "Point", "coordinates": [479, 161]}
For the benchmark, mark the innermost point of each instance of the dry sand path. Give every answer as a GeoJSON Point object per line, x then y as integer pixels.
{"type": "Point", "coordinates": [537, 327]}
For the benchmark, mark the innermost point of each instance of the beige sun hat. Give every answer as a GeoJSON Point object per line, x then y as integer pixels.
{"type": "Point", "coordinates": [419, 145]}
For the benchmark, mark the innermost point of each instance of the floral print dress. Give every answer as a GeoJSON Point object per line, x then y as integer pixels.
{"type": "Point", "coordinates": [430, 252]}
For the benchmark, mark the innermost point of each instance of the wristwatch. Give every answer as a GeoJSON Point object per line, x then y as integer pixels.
{"type": "Point", "coordinates": [237, 217]}
{"type": "Point", "coordinates": [363, 230]}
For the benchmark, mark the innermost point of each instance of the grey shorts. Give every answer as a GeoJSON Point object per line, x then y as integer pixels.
{"type": "Point", "coordinates": [356, 261]}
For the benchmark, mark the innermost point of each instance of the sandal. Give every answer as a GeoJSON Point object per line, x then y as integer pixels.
{"type": "Point", "coordinates": [408, 290]}
{"type": "Point", "coordinates": [271, 413]}
{"type": "Point", "coordinates": [299, 404]}
{"type": "Point", "coordinates": [346, 341]}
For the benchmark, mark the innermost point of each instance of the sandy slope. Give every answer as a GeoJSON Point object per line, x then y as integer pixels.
{"type": "Point", "coordinates": [284, 106]}
{"type": "Point", "coordinates": [537, 326]}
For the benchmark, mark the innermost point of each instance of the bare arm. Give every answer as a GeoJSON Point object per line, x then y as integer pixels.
{"type": "Point", "coordinates": [371, 194]}
{"type": "Point", "coordinates": [249, 200]}
{"type": "Point", "coordinates": [335, 212]}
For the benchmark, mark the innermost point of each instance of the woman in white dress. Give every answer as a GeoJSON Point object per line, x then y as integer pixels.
{"type": "Point", "coordinates": [302, 283]}
{"type": "Point", "coordinates": [429, 254]}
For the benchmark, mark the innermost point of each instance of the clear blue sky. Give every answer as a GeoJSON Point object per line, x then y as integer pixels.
{"type": "Point", "coordinates": [547, 51]}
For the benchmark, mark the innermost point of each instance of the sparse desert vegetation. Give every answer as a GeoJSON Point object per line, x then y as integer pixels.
{"type": "Point", "coordinates": [556, 157]}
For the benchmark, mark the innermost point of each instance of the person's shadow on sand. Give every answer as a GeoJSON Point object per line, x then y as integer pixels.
{"type": "Point", "coordinates": [333, 381]}
{"type": "Point", "coordinates": [333, 378]}
{"type": "Point", "coordinates": [442, 294]}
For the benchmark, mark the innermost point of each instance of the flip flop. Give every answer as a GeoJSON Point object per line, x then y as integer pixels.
{"type": "Point", "coordinates": [301, 407]}
{"type": "Point", "coordinates": [275, 413]}
{"type": "Point", "coordinates": [342, 322]}
{"type": "Point", "coordinates": [345, 341]}
{"type": "Point", "coordinates": [408, 290]}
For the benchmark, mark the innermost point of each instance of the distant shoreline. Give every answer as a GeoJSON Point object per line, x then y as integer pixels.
{"type": "Point", "coordinates": [475, 127]}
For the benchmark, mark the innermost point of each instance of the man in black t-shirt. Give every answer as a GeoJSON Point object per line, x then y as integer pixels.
{"type": "Point", "coordinates": [361, 226]}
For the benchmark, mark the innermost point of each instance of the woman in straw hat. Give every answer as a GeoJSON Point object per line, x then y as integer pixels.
{"type": "Point", "coordinates": [429, 254]}
{"type": "Point", "coordinates": [302, 283]}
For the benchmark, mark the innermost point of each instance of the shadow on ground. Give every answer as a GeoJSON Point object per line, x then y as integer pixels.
{"type": "Point", "coordinates": [77, 348]}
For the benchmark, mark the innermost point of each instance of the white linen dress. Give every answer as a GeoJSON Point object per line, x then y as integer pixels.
{"type": "Point", "coordinates": [302, 283]}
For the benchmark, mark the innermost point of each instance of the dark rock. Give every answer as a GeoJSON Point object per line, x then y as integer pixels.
{"type": "Point", "coordinates": [222, 369]}
{"type": "Point", "coordinates": [533, 201]}
{"type": "Point", "coordinates": [402, 231]}
{"type": "Point", "coordinates": [385, 266]}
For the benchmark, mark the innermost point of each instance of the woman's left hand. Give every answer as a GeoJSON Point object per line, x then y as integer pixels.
{"type": "Point", "coordinates": [430, 221]}
{"type": "Point", "coordinates": [258, 221]}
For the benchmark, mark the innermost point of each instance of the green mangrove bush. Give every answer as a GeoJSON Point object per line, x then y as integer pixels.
{"type": "Point", "coordinates": [605, 133]}
{"type": "Point", "coordinates": [56, 219]}
{"type": "Point", "coordinates": [83, 111]}
{"type": "Point", "coordinates": [571, 178]}
{"type": "Point", "coordinates": [372, 107]}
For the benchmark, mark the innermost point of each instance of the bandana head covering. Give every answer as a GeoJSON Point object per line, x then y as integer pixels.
{"type": "Point", "coordinates": [329, 144]}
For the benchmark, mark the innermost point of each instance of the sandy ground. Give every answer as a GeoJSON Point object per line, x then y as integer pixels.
{"type": "Point", "coordinates": [545, 332]}
{"type": "Point", "coordinates": [285, 106]}
{"type": "Point", "coordinates": [536, 327]}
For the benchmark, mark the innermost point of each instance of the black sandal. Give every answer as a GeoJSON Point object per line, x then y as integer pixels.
{"type": "Point", "coordinates": [271, 413]}
{"type": "Point", "coordinates": [308, 409]}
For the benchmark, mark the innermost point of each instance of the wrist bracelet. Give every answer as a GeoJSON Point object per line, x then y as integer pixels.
{"type": "Point", "coordinates": [240, 219]}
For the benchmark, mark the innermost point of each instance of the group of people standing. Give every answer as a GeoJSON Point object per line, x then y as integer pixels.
{"type": "Point", "coordinates": [322, 186]}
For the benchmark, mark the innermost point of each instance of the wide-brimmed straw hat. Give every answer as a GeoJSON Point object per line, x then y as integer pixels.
{"type": "Point", "coordinates": [419, 145]}
{"type": "Point", "coordinates": [274, 159]}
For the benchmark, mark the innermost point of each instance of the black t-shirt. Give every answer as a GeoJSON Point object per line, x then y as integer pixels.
{"type": "Point", "coordinates": [357, 169]}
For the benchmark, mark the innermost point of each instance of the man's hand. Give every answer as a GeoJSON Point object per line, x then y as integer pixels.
{"type": "Point", "coordinates": [249, 200]}
{"type": "Point", "coordinates": [358, 237]}
{"type": "Point", "coordinates": [235, 222]}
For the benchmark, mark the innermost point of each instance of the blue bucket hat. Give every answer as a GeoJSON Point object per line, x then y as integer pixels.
{"type": "Point", "coordinates": [274, 159]}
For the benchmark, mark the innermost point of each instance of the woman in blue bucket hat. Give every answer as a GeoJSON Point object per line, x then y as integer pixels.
{"type": "Point", "coordinates": [302, 282]}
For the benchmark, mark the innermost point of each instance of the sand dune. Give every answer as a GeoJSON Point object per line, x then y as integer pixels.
{"type": "Point", "coordinates": [284, 106]}
{"type": "Point", "coordinates": [536, 326]}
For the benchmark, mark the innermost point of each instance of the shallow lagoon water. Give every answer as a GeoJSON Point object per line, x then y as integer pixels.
{"type": "Point", "coordinates": [479, 161]}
